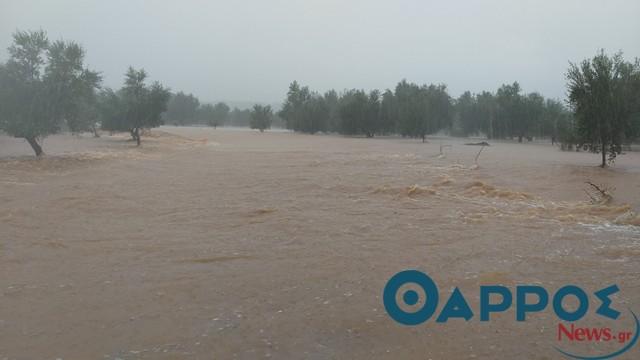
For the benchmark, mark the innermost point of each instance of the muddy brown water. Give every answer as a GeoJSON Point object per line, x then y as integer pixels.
{"type": "Point", "coordinates": [224, 244]}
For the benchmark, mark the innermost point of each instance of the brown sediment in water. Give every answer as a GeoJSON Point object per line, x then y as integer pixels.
{"type": "Point", "coordinates": [479, 188]}
{"type": "Point", "coordinates": [516, 204]}
{"type": "Point", "coordinates": [218, 259]}
{"type": "Point", "coordinates": [280, 244]}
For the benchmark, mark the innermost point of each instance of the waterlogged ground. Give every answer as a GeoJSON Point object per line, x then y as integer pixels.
{"type": "Point", "coordinates": [219, 244]}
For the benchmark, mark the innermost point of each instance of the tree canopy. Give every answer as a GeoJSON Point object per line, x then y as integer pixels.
{"type": "Point", "coordinates": [603, 92]}
{"type": "Point", "coordinates": [43, 85]}
{"type": "Point", "coordinates": [261, 117]}
{"type": "Point", "coordinates": [136, 106]}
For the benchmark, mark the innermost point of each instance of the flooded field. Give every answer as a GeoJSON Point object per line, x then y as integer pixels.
{"type": "Point", "coordinates": [225, 244]}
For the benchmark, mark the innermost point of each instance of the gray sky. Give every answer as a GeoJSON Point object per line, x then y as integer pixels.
{"type": "Point", "coordinates": [251, 50]}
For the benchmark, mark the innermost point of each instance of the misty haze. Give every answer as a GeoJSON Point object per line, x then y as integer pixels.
{"type": "Point", "coordinates": [253, 179]}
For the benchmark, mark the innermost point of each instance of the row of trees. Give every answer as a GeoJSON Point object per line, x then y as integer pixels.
{"type": "Point", "coordinates": [186, 109]}
{"type": "Point", "coordinates": [414, 110]}
{"type": "Point", "coordinates": [45, 85]}
{"type": "Point", "coordinates": [603, 111]}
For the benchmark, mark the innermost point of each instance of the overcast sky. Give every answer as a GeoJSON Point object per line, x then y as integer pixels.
{"type": "Point", "coordinates": [251, 50]}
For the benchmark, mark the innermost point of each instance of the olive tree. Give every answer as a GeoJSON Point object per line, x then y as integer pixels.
{"type": "Point", "coordinates": [602, 97]}
{"type": "Point", "coordinates": [42, 85]}
{"type": "Point", "coordinates": [261, 117]}
{"type": "Point", "coordinates": [135, 107]}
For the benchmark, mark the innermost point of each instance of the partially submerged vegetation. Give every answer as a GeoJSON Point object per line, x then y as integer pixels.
{"type": "Point", "coordinates": [261, 117]}
{"type": "Point", "coordinates": [135, 107]}
{"type": "Point", "coordinates": [45, 86]}
{"type": "Point", "coordinates": [603, 113]}
{"type": "Point", "coordinates": [604, 93]}
{"type": "Point", "coordinates": [42, 85]}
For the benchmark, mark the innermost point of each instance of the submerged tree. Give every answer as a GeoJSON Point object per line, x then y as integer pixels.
{"type": "Point", "coordinates": [354, 109]}
{"type": "Point", "coordinates": [239, 117]}
{"type": "Point", "coordinates": [315, 112]}
{"type": "Point", "coordinates": [331, 101]}
{"type": "Point", "coordinates": [261, 117]}
{"type": "Point", "coordinates": [182, 108]}
{"type": "Point", "coordinates": [292, 111]}
{"type": "Point", "coordinates": [213, 115]}
{"type": "Point", "coordinates": [602, 97]}
{"type": "Point", "coordinates": [371, 125]}
{"type": "Point", "coordinates": [206, 115]}
{"type": "Point", "coordinates": [508, 113]}
{"type": "Point", "coordinates": [219, 115]}
{"type": "Point", "coordinates": [42, 85]}
{"type": "Point", "coordinates": [388, 113]}
{"type": "Point", "coordinates": [411, 110]}
{"type": "Point", "coordinates": [465, 121]}
{"type": "Point", "coordinates": [136, 106]}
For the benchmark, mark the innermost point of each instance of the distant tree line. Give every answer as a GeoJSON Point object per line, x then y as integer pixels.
{"type": "Point", "coordinates": [45, 86]}
{"type": "Point", "coordinates": [603, 111]}
{"type": "Point", "coordinates": [186, 109]}
{"type": "Point", "coordinates": [414, 110]}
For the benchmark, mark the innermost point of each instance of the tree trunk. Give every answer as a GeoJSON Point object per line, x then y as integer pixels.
{"type": "Point", "coordinates": [604, 155]}
{"type": "Point", "coordinates": [136, 135]}
{"type": "Point", "coordinates": [34, 145]}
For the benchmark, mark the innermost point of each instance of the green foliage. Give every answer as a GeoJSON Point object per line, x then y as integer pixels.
{"type": "Point", "coordinates": [291, 110]}
{"type": "Point", "coordinates": [371, 125]}
{"type": "Point", "coordinates": [388, 113]}
{"type": "Point", "coordinates": [532, 108]}
{"type": "Point", "coordinates": [508, 114]}
{"type": "Point", "coordinates": [239, 117]}
{"type": "Point", "coordinates": [309, 112]}
{"type": "Point", "coordinates": [412, 110]}
{"type": "Point", "coordinates": [353, 110]}
{"type": "Point", "coordinates": [261, 117]}
{"type": "Point", "coordinates": [418, 110]}
{"type": "Point", "coordinates": [331, 100]}
{"type": "Point", "coordinates": [112, 111]}
{"type": "Point", "coordinates": [42, 85]}
{"type": "Point", "coordinates": [182, 109]}
{"type": "Point", "coordinates": [315, 112]}
{"type": "Point", "coordinates": [135, 107]}
{"type": "Point", "coordinates": [423, 109]}
{"type": "Point", "coordinates": [219, 115]}
{"type": "Point", "coordinates": [207, 115]}
{"type": "Point", "coordinates": [603, 94]}
{"type": "Point", "coordinates": [465, 120]}
{"type": "Point", "coordinates": [566, 131]}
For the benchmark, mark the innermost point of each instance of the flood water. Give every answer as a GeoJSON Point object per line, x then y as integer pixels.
{"type": "Point", "coordinates": [225, 244]}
